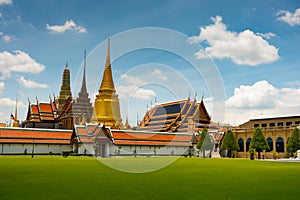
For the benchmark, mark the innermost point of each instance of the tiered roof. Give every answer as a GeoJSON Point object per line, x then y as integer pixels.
{"type": "Point", "coordinates": [89, 133]}
{"type": "Point", "coordinates": [41, 112]}
{"type": "Point", "coordinates": [176, 116]}
{"type": "Point", "coordinates": [33, 135]}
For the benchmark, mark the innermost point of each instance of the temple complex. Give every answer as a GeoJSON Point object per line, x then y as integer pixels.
{"type": "Point", "coordinates": [82, 106]}
{"type": "Point", "coordinates": [107, 106]}
{"type": "Point", "coordinates": [56, 114]}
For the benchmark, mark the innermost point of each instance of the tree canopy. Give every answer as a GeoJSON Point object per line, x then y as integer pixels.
{"type": "Point", "coordinates": [294, 142]}
{"type": "Point", "coordinates": [229, 142]}
{"type": "Point", "coordinates": [205, 142]}
{"type": "Point", "coordinates": [259, 142]}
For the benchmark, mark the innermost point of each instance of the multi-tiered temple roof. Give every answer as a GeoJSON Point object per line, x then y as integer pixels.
{"type": "Point", "coordinates": [178, 116]}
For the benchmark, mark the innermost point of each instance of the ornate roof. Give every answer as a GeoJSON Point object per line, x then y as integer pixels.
{"type": "Point", "coordinates": [40, 112]}
{"type": "Point", "coordinates": [176, 116]}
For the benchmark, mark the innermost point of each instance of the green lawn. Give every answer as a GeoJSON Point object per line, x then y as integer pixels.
{"type": "Point", "coordinates": [46, 177]}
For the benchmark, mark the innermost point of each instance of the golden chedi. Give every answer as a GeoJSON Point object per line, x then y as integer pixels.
{"type": "Point", "coordinates": [107, 106]}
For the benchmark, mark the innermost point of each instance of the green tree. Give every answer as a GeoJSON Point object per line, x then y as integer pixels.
{"type": "Point", "coordinates": [204, 142]}
{"type": "Point", "coordinates": [259, 142]}
{"type": "Point", "coordinates": [294, 143]}
{"type": "Point", "coordinates": [229, 143]}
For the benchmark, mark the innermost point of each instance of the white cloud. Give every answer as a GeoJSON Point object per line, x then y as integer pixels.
{"type": "Point", "coordinates": [6, 38]}
{"type": "Point", "coordinates": [261, 99]}
{"type": "Point", "coordinates": [30, 83]}
{"type": "Point", "coordinates": [130, 86]}
{"type": "Point", "coordinates": [5, 2]}
{"type": "Point", "coordinates": [291, 18]}
{"type": "Point", "coordinates": [267, 35]}
{"type": "Point", "coordinates": [244, 48]}
{"type": "Point", "coordinates": [7, 102]}
{"type": "Point", "coordinates": [2, 87]}
{"type": "Point", "coordinates": [69, 25]}
{"type": "Point", "coordinates": [158, 74]}
{"type": "Point", "coordinates": [131, 80]}
{"type": "Point", "coordinates": [18, 61]}
{"type": "Point", "coordinates": [260, 95]}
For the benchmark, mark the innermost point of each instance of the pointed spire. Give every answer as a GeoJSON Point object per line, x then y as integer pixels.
{"type": "Point", "coordinates": [108, 53]}
{"type": "Point", "coordinates": [83, 86]}
{"type": "Point", "coordinates": [195, 98]}
{"type": "Point", "coordinates": [16, 122]}
{"type": "Point", "coordinates": [16, 110]}
{"type": "Point", "coordinates": [107, 83]}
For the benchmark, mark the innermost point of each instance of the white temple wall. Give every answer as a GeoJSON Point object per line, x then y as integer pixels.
{"type": "Point", "coordinates": [38, 148]}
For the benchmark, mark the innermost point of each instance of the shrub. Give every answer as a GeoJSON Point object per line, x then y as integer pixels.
{"type": "Point", "coordinates": [275, 154]}
{"type": "Point", "coordinates": [65, 153]}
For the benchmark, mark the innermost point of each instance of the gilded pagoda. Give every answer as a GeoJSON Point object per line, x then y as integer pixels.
{"type": "Point", "coordinates": [107, 106]}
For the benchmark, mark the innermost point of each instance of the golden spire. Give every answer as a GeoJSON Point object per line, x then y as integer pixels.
{"type": "Point", "coordinates": [107, 106]}
{"type": "Point", "coordinates": [16, 122]}
{"type": "Point", "coordinates": [107, 83]}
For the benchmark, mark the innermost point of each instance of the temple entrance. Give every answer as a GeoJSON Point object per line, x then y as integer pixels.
{"type": "Point", "coordinates": [101, 150]}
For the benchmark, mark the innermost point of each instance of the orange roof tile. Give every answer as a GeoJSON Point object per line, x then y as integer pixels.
{"type": "Point", "coordinates": [150, 137]}
{"type": "Point", "coordinates": [148, 143]}
{"type": "Point", "coordinates": [34, 109]}
{"type": "Point", "coordinates": [35, 141]}
{"type": "Point", "coordinates": [12, 135]}
{"type": "Point", "coordinates": [45, 108]}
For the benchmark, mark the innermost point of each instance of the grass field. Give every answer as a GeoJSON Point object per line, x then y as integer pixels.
{"type": "Point", "coordinates": [46, 177]}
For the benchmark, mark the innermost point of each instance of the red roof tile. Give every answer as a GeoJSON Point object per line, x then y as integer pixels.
{"type": "Point", "coordinates": [12, 135]}
{"type": "Point", "coordinates": [35, 141]}
{"type": "Point", "coordinates": [35, 109]}
{"type": "Point", "coordinates": [45, 108]}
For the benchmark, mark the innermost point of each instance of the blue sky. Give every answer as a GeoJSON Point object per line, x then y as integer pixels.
{"type": "Point", "coordinates": [253, 45]}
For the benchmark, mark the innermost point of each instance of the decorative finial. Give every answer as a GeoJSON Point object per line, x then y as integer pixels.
{"type": "Point", "coordinates": [108, 53]}
{"type": "Point", "coordinates": [195, 98]}
{"type": "Point", "coordinates": [28, 100]}
{"type": "Point", "coordinates": [66, 64]}
{"type": "Point", "coordinates": [37, 100]}
{"type": "Point", "coordinates": [189, 97]}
